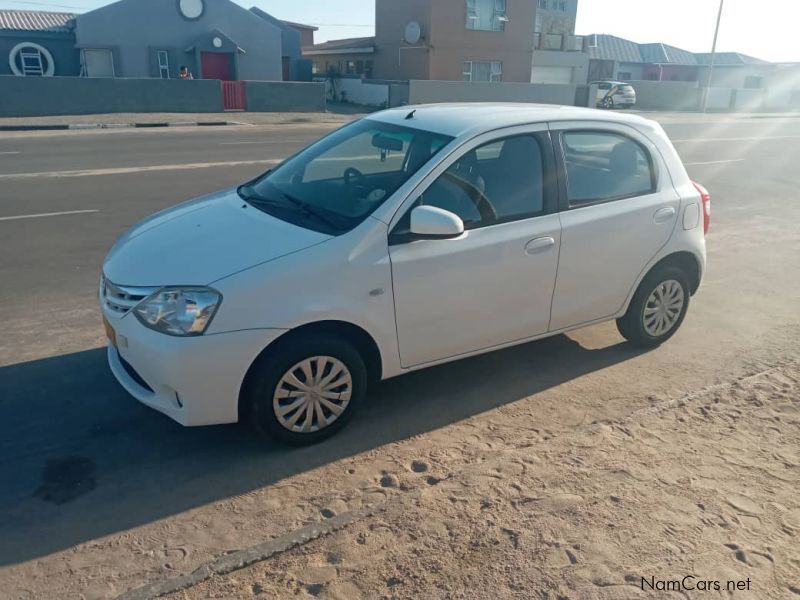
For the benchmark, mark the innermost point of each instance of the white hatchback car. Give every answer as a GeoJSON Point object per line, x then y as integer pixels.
{"type": "Point", "coordinates": [406, 239]}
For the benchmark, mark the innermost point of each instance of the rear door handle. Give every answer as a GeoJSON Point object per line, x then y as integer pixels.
{"type": "Point", "coordinates": [663, 215]}
{"type": "Point", "coordinates": [538, 245]}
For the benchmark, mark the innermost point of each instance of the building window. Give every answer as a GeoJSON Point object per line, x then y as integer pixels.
{"type": "Point", "coordinates": [163, 64]}
{"type": "Point", "coordinates": [31, 60]}
{"type": "Point", "coordinates": [97, 62]}
{"type": "Point", "coordinates": [752, 82]}
{"type": "Point", "coordinates": [562, 6]}
{"type": "Point", "coordinates": [490, 72]}
{"type": "Point", "coordinates": [624, 76]}
{"type": "Point", "coordinates": [543, 4]}
{"type": "Point", "coordinates": [486, 15]}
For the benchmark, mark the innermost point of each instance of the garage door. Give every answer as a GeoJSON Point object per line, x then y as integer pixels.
{"type": "Point", "coordinates": [552, 75]}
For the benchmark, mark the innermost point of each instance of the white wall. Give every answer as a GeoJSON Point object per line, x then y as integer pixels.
{"type": "Point", "coordinates": [422, 92]}
{"type": "Point", "coordinates": [361, 91]}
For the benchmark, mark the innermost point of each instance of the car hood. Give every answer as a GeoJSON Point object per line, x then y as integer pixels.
{"type": "Point", "coordinates": [201, 241]}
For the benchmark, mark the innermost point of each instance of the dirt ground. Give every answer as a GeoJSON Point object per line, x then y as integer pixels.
{"type": "Point", "coordinates": [573, 466]}
{"type": "Point", "coordinates": [702, 486]}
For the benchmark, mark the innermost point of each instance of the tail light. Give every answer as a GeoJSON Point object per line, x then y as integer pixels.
{"type": "Point", "coordinates": [705, 199]}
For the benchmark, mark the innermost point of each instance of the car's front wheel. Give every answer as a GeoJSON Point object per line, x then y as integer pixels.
{"type": "Point", "coordinates": [306, 389]}
{"type": "Point", "coordinates": [608, 103]}
{"type": "Point", "coordinates": [657, 309]}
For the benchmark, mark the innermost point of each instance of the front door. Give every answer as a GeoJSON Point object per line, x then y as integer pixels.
{"type": "Point", "coordinates": [620, 209]}
{"type": "Point", "coordinates": [216, 65]}
{"type": "Point", "coordinates": [494, 284]}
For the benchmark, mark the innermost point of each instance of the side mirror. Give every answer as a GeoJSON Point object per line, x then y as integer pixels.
{"type": "Point", "coordinates": [429, 222]}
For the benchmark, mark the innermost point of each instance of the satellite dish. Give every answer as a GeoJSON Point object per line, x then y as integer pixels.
{"type": "Point", "coordinates": [413, 33]}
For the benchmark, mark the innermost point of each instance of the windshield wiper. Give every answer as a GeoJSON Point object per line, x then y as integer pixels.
{"type": "Point", "coordinates": [304, 207]}
{"type": "Point", "coordinates": [312, 211]}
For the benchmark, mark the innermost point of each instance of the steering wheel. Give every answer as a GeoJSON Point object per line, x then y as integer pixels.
{"type": "Point", "coordinates": [482, 203]}
{"type": "Point", "coordinates": [351, 174]}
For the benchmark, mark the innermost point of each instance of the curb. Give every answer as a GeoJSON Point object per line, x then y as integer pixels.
{"type": "Point", "coordinates": [244, 558]}
{"type": "Point", "coordinates": [83, 126]}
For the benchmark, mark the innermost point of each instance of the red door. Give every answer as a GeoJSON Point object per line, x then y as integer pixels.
{"type": "Point", "coordinates": [286, 70]}
{"type": "Point", "coordinates": [216, 65]}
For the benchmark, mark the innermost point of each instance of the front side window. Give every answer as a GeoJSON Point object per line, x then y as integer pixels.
{"type": "Point", "coordinates": [334, 184]}
{"type": "Point", "coordinates": [486, 15]}
{"type": "Point", "coordinates": [605, 166]}
{"type": "Point", "coordinates": [498, 182]}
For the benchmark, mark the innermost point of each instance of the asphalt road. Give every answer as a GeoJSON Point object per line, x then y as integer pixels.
{"type": "Point", "coordinates": [81, 459]}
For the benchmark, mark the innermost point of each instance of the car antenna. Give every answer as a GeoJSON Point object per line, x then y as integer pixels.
{"type": "Point", "coordinates": [410, 115]}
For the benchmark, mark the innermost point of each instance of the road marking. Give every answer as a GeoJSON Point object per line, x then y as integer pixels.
{"type": "Point", "coordinates": [126, 170]}
{"type": "Point", "coordinates": [10, 152]}
{"type": "Point", "coordinates": [742, 139]}
{"type": "Point", "coordinates": [55, 214]}
{"type": "Point", "coordinates": [713, 162]}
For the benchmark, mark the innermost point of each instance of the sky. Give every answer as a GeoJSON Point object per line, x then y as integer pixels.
{"type": "Point", "coordinates": [762, 28]}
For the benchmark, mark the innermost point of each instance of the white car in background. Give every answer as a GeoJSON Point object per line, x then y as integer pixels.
{"type": "Point", "coordinates": [409, 238]}
{"type": "Point", "coordinates": [614, 94]}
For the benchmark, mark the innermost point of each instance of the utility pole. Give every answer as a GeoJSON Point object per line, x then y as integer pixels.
{"type": "Point", "coordinates": [713, 57]}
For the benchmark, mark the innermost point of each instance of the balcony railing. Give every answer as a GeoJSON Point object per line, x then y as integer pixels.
{"type": "Point", "coordinates": [557, 41]}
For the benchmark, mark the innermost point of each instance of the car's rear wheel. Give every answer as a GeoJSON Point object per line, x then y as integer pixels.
{"type": "Point", "coordinates": [608, 103]}
{"type": "Point", "coordinates": [657, 309]}
{"type": "Point", "coordinates": [306, 389]}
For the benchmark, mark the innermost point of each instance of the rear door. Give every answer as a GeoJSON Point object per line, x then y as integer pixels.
{"type": "Point", "coordinates": [618, 209]}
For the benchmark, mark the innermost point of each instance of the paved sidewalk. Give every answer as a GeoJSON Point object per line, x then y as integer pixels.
{"type": "Point", "coordinates": [245, 118]}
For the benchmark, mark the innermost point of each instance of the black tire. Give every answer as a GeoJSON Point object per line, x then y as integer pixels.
{"type": "Point", "coordinates": [608, 103]}
{"type": "Point", "coordinates": [257, 400]}
{"type": "Point", "coordinates": [632, 324]}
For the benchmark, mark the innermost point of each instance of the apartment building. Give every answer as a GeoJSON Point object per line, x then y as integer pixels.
{"type": "Point", "coordinates": [557, 54]}
{"type": "Point", "coordinates": [473, 40]}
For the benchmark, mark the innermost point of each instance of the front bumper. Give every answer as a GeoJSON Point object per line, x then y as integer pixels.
{"type": "Point", "coordinates": [194, 380]}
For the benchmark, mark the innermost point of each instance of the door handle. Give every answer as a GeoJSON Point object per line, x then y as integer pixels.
{"type": "Point", "coordinates": [539, 245]}
{"type": "Point", "coordinates": [663, 215]}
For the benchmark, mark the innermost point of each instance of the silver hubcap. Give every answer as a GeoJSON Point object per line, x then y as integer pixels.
{"type": "Point", "coordinates": [312, 394]}
{"type": "Point", "coordinates": [663, 308]}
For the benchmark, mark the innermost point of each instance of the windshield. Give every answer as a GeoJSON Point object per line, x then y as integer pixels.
{"type": "Point", "coordinates": [334, 184]}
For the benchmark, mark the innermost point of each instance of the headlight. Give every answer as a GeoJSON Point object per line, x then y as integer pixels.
{"type": "Point", "coordinates": [183, 311]}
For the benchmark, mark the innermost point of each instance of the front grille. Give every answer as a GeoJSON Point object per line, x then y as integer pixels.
{"type": "Point", "coordinates": [133, 374]}
{"type": "Point", "coordinates": [120, 299]}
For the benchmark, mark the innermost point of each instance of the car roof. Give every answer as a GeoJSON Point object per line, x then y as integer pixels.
{"type": "Point", "coordinates": [472, 118]}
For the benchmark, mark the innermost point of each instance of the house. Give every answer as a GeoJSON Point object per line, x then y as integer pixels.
{"type": "Point", "coordinates": [37, 43]}
{"type": "Point", "coordinates": [293, 66]}
{"type": "Point", "coordinates": [735, 70]}
{"type": "Point", "coordinates": [612, 57]}
{"type": "Point", "coordinates": [216, 39]}
{"type": "Point", "coordinates": [351, 56]}
{"type": "Point", "coordinates": [471, 40]}
{"type": "Point", "coordinates": [306, 32]}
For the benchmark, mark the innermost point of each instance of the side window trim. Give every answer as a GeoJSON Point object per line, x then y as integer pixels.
{"type": "Point", "coordinates": [551, 191]}
{"type": "Point", "coordinates": [563, 174]}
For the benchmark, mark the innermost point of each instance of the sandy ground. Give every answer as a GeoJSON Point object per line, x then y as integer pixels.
{"type": "Point", "coordinates": [164, 500]}
{"type": "Point", "coordinates": [703, 486]}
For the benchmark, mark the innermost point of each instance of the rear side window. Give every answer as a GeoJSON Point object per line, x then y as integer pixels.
{"type": "Point", "coordinates": [605, 166]}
